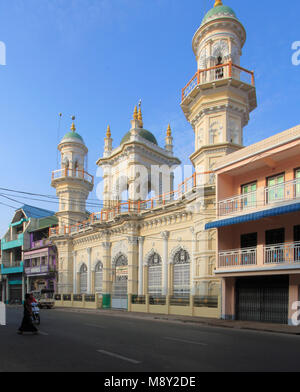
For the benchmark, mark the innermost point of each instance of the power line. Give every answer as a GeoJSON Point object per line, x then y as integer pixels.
{"type": "Point", "coordinates": [7, 205]}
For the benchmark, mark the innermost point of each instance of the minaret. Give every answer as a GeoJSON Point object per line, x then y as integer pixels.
{"type": "Point", "coordinates": [108, 143]}
{"type": "Point", "coordinates": [169, 140]}
{"type": "Point", "coordinates": [72, 182]}
{"type": "Point", "coordinates": [218, 99]}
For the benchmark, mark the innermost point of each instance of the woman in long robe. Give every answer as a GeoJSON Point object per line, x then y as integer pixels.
{"type": "Point", "coordinates": [27, 325]}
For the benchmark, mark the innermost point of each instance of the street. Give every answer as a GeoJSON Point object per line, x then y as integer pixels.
{"type": "Point", "coordinates": [75, 342]}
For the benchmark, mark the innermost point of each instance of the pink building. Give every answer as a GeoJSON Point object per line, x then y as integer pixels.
{"type": "Point", "coordinates": [258, 229]}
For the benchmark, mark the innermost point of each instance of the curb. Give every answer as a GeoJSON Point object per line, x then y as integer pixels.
{"type": "Point", "coordinates": [159, 317]}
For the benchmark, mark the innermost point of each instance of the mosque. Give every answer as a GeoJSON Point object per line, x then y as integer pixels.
{"type": "Point", "coordinates": [155, 252]}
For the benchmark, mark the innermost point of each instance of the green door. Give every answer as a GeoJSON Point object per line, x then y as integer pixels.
{"type": "Point", "coordinates": [275, 189]}
{"type": "Point", "coordinates": [249, 195]}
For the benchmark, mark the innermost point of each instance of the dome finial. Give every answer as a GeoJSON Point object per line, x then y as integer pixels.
{"type": "Point", "coordinates": [108, 133]}
{"type": "Point", "coordinates": [218, 2]}
{"type": "Point", "coordinates": [73, 128]}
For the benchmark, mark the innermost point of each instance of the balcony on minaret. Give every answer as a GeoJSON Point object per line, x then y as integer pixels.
{"type": "Point", "coordinates": [72, 174]}
{"type": "Point", "coordinates": [217, 77]}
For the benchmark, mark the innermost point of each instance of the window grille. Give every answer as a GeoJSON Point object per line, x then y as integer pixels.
{"type": "Point", "coordinates": [155, 274]}
{"type": "Point", "coordinates": [83, 279]}
{"type": "Point", "coordinates": [98, 277]}
{"type": "Point", "coordinates": [181, 274]}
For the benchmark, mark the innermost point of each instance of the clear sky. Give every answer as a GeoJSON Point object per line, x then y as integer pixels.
{"type": "Point", "coordinates": [97, 58]}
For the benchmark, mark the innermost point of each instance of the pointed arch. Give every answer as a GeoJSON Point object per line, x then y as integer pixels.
{"type": "Point", "coordinates": [119, 260]}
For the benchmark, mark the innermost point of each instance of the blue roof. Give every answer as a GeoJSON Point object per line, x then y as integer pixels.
{"type": "Point", "coordinates": [254, 216]}
{"type": "Point", "coordinates": [35, 212]}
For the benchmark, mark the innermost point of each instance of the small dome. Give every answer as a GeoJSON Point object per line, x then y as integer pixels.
{"type": "Point", "coordinates": [219, 12]}
{"type": "Point", "coordinates": [72, 136]}
{"type": "Point", "coordinates": [144, 134]}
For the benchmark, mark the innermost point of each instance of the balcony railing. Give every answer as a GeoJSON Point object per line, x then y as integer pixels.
{"type": "Point", "coordinates": [40, 243]}
{"type": "Point", "coordinates": [285, 192]}
{"type": "Point", "coordinates": [12, 268]}
{"type": "Point", "coordinates": [237, 258]}
{"type": "Point", "coordinates": [263, 256]}
{"type": "Point", "coordinates": [223, 71]}
{"type": "Point", "coordinates": [237, 204]}
{"type": "Point", "coordinates": [42, 269]}
{"type": "Point", "coordinates": [72, 173]}
{"type": "Point", "coordinates": [183, 191]}
{"type": "Point", "coordinates": [282, 253]}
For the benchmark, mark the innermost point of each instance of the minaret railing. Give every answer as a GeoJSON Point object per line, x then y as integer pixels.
{"type": "Point", "coordinates": [73, 173]}
{"type": "Point", "coordinates": [218, 72]}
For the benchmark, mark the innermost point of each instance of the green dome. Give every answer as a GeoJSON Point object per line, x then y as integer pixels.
{"type": "Point", "coordinates": [144, 134]}
{"type": "Point", "coordinates": [73, 135]}
{"type": "Point", "coordinates": [219, 12]}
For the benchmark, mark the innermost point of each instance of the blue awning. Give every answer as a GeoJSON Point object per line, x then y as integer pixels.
{"type": "Point", "coordinates": [254, 216]}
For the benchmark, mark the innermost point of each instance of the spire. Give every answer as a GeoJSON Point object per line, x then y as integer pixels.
{"type": "Point", "coordinates": [140, 117]}
{"type": "Point", "coordinates": [108, 133]}
{"type": "Point", "coordinates": [73, 128]}
{"type": "Point", "coordinates": [108, 143]}
{"type": "Point", "coordinates": [135, 113]}
{"type": "Point", "coordinates": [218, 2]}
{"type": "Point", "coordinates": [169, 140]}
{"type": "Point", "coordinates": [169, 131]}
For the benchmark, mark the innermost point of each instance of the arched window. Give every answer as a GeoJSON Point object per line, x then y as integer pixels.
{"type": "Point", "coordinates": [83, 279]}
{"type": "Point", "coordinates": [76, 167]}
{"type": "Point", "coordinates": [154, 274]}
{"type": "Point", "coordinates": [98, 277]}
{"type": "Point", "coordinates": [181, 274]}
{"type": "Point", "coordinates": [121, 276]}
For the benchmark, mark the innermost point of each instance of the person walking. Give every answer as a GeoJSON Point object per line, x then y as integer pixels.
{"type": "Point", "coordinates": [27, 325]}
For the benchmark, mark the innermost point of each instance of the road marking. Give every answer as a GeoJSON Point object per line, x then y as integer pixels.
{"type": "Point", "coordinates": [94, 326]}
{"type": "Point", "coordinates": [186, 341]}
{"type": "Point", "coordinates": [118, 356]}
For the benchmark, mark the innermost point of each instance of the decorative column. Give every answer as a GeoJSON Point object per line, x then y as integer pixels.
{"type": "Point", "coordinates": [106, 285]}
{"type": "Point", "coordinates": [193, 263]}
{"type": "Point", "coordinates": [141, 256]}
{"type": "Point", "coordinates": [165, 236]}
{"type": "Point", "coordinates": [132, 265]}
{"type": "Point", "coordinates": [93, 290]}
{"type": "Point", "coordinates": [89, 271]}
{"type": "Point", "coordinates": [74, 273]}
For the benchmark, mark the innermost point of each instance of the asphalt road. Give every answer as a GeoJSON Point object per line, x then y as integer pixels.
{"type": "Point", "coordinates": [77, 342]}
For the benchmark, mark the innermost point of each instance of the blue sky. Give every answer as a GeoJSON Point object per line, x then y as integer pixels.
{"type": "Point", "coordinates": [97, 58]}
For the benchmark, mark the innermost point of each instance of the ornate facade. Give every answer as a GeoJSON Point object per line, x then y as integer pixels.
{"type": "Point", "coordinates": [154, 243]}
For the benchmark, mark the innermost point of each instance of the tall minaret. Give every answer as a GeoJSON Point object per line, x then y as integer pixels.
{"type": "Point", "coordinates": [72, 182]}
{"type": "Point", "coordinates": [169, 140]}
{"type": "Point", "coordinates": [218, 100]}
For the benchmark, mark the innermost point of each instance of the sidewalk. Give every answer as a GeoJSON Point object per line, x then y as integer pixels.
{"type": "Point", "coordinates": [247, 325]}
